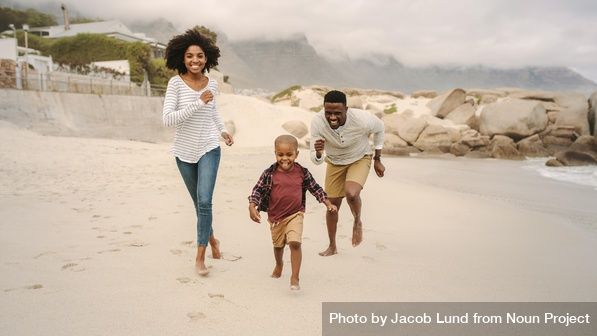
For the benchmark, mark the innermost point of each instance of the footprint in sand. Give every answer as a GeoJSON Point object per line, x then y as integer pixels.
{"type": "Point", "coordinates": [231, 257]}
{"type": "Point", "coordinates": [187, 243]}
{"type": "Point", "coordinates": [43, 254]}
{"type": "Point", "coordinates": [196, 316]}
{"type": "Point", "coordinates": [380, 246]}
{"type": "Point", "coordinates": [100, 237]}
{"type": "Point", "coordinates": [36, 286]}
{"type": "Point", "coordinates": [127, 232]}
{"type": "Point", "coordinates": [137, 244]}
{"type": "Point", "coordinates": [152, 218]}
{"type": "Point", "coordinates": [183, 280]}
{"type": "Point", "coordinates": [176, 252]}
{"type": "Point", "coordinates": [110, 250]}
{"type": "Point", "coordinates": [215, 295]}
{"type": "Point", "coordinates": [73, 267]}
{"type": "Point", "coordinates": [368, 258]}
{"type": "Point", "coordinates": [136, 226]}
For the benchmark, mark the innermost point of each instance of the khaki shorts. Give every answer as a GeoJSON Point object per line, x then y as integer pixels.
{"type": "Point", "coordinates": [336, 176]}
{"type": "Point", "coordinates": [289, 229]}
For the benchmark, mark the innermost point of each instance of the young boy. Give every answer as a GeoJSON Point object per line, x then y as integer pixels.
{"type": "Point", "coordinates": [281, 191]}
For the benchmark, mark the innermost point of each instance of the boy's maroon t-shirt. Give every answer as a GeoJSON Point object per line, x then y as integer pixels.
{"type": "Point", "coordinates": [286, 197]}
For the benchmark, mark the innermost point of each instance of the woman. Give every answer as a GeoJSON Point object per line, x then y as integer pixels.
{"type": "Point", "coordinates": [189, 106]}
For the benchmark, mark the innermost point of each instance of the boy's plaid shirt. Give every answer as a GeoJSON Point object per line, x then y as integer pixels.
{"type": "Point", "coordinates": [262, 190]}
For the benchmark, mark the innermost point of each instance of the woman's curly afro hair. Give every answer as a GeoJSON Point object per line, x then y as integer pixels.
{"type": "Point", "coordinates": [178, 46]}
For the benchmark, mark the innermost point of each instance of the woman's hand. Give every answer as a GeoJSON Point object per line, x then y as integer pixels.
{"type": "Point", "coordinates": [207, 96]}
{"type": "Point", "coordinates": [227, 138]}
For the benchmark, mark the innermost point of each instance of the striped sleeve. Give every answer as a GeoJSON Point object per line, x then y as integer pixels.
{"type": "Point", "coordinates": [216, 115]}
{"type": "Point", "coordinates": [170, 115]}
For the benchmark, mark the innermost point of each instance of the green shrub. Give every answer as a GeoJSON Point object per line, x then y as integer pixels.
{"type": "Point", "coordinates": [391, 109]}
{"type": "Point", "coordinates": [285, 94]}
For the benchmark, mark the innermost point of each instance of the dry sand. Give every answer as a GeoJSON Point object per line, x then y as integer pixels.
{"type": "Point", "coordinates": [97, 238]}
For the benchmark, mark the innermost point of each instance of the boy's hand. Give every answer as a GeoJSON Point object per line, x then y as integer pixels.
{"type": "Point", "coordinates": [254, 214]}
{"type": "Point", "coordinates": [331, 207]}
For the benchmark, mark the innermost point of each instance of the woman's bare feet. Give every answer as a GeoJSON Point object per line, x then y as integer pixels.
{"type": "Point", "coordinates": [331, 250]}
{"type": "Point", "coordinates": [215, 248]}
{"type": "Point", "coordinates": [294, 284]}
{"type": "Point", "coordinates": [277, 272]}
{"type": "Point", "coordinates": [200, 261]}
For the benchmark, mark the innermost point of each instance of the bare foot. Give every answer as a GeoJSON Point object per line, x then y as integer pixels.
{"type": "Point", "coordinates": [277, 272]}
{"type": "Point", "coordinates": [357, 234]}
{"type": "Point", "coordinates": [328, 252]}
{"type": "Point", "coordinates": [215, 250]}
{"type": "Point", "coordinates": [294, 284]}
{"type": "Point", "coordinates": [201, 269]}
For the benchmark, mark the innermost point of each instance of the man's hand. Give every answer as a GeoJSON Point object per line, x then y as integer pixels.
{"type": "Point", "coordinates": [227, 138]}
{"type": "Point", "coordinates": [319, 145]}
{"type": "Point", "coordinates": [379, 168]}
{"type": "Point", "coordinates": [254, 213]}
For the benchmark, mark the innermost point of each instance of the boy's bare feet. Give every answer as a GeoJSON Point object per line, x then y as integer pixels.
{"type": "Point", "coordinates": [277, 272]}
{"type": "Point", "coordinates": [201, 269]}
{"type": "Point", "coordinates": [294, 284]}
{"type": "Point", "coordinates": [331, 250]}
{"type": "Point", "coordinates": [357, 234]}
{"type": "Point", "coordinates": [215, 250]}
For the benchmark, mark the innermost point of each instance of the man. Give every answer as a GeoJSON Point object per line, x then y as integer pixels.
{"type": "Point", "coordinates": [344, 134]}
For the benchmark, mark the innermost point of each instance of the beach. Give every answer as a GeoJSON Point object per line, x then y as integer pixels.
{"type": "Point", "coordinates": [98, 238]}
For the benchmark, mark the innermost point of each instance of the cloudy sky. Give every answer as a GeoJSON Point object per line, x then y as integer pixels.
{"type": "Point", "coordinates": [500, 33]}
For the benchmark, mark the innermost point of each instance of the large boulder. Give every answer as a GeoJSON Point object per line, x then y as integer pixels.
{"type": "Point", "coordinates": [424, 94]}
{"type": "Point", "coordinates": [575, 110]}
{"type": "Point", "coordinates": [585, 143]}
{"type": "Point", "coordinates": [503, 147]}
{"type": "Point", "coordinates": [296, 128]}
{"type": "Point", "coordinates": [532, 147]}
{"type": "Point", "coordinates": [463, 115]}
{"type": "Point", "coordinates": [441, 105]}
{"type": "Point", "coordinates": [516, 118]}
{"type": "Point", "coordinates": [474, 139]}
{"type": "Point", "coordinates": [546, 96]}
{"type": "Point", "coordinates": [435, 138]}
{"type": "Point", "coordinates": [355, 102]}
{"type": "Point", "coordinates": [405, 126]}
{"type": "Point", "coordinates": [575, 158]}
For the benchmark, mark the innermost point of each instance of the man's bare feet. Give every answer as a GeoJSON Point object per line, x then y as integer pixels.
{"type": "Point", "coordinates": [294, 284]}
{"type": "Point", "coordinates": [331, 250]}
{"type": "Point", "coordinates": [357, 234]}
{"type": "Point", "coordinates": [277, 272]}
{"type": "Point", "coordinates": [215, 250]}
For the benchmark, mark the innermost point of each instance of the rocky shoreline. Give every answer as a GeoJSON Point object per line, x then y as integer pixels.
{"type": "Point", "coordinates": [503, 123]}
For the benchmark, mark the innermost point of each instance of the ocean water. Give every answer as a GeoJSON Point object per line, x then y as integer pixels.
{"type": "Point", "coordinates": [584, 175]}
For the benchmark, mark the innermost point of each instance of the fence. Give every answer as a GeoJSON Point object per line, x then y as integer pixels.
{"type": "Point", "coordinates": [68, 82]}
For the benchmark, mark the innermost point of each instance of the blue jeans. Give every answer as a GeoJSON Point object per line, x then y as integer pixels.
{"type": "Point", "coordinates": [200, 179]}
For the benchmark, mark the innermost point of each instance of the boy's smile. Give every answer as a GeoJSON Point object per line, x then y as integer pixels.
{"type": "Point", "coordinates": [285, 155]}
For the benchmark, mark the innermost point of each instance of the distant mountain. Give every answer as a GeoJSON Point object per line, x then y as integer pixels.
{"type": "Point", "coordinates": [275, 65]}
{"type": "Point", "coordinates": [159, 29]}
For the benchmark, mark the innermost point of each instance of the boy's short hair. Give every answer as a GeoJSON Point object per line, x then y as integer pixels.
{"type": "Point", "coordinates": [335, 96]}
{"type": "Point", "coordinates": [288, 139]}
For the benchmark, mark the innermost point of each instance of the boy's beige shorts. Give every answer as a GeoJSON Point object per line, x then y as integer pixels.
{"type": "Point", "coordinates": [289, 229]}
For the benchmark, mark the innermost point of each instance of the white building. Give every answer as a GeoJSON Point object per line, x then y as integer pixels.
{"type": "Point", "coordinates": [112, 28]}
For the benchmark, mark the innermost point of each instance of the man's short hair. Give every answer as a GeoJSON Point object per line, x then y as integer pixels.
{"type": "Point", "coordinates": [335, 96]}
